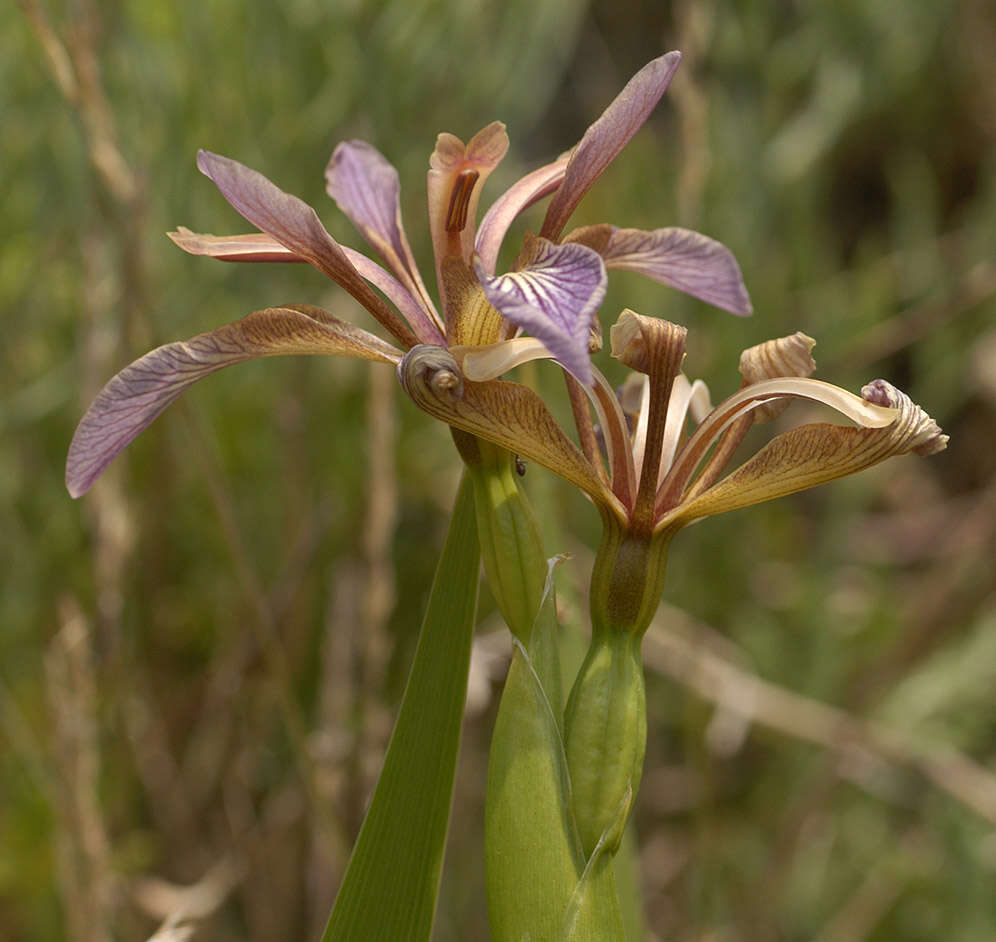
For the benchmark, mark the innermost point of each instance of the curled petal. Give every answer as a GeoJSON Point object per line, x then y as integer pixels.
{"type": "Point", "coordinates": [508, 414]}
{"type": "Point", "coordinates": [518, 197]}
{"type": "Point", "coordinates": [603, 141]}
{"type": "Point", "coordinates": [136, 397]}
{"type": "Point", "coordinates": [554, 298]}
{"type": "Point", "coordinates": [815, 454]}
{"type": "Point", "coordinates": [680, 258]}
{"type": "Point", "coordinates": [296, 226]}
{"type": "Point", "coordinates": [366, 188]}
{"type": "Point", "coordinates": [915, 430]}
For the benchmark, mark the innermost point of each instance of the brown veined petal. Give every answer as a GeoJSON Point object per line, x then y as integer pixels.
{"type": "Point", "coordinates": [816, 454]}
{"type": "Point", "coordinates": [603, 141]}
{"type": "Point", "coordinates": [508, 414]}
{"type": "Point", "coordinates": [138, 395]}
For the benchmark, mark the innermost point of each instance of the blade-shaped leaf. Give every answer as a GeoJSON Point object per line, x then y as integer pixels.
{"type": "Point", "coordinates": [392, 880]}
{"type": "Point", "coordinates": [138, 395]}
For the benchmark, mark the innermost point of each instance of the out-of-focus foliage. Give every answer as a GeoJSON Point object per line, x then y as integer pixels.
{"type": "Point", "coordinates": [199, 661]}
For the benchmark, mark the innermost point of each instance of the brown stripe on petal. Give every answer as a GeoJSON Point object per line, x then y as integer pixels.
{"type": "Point", "coordinates": [463, 187]}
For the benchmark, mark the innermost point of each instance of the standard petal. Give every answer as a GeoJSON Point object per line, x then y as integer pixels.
{"type": "Point", "coordinates": [134, 398]}
{"type": "Point", "coordinates": [296, 226]}
{"type": "Point", "coordinates": [518, 197]}
{"type": "Point", "coordinates": [607, 137]}
{"type": "Point", "coordinates": [553, 298]}
{"type": "Point", "coordinates": [259, 247]}
{"type": "Point", "coordinates": [508, 414]}
{"type": "Point", "coordinates": [366, 188]}
{"type": "Point", "coordinates": [680, 258]}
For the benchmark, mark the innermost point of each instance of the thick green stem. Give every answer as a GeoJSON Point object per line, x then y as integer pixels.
{"type": "Point", "coordinates": [605, 727]}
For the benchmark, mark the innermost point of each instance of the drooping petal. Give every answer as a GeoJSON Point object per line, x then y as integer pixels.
{"type": "Point", "coordinates": [366, 188]}
{"type": "Point", "coordinates": [133, 399]}
{"type": "Point", "coordinates": [603, 141]}
{"type": "Point", "coordinates": [748, 398]}
{"type": "Point", "coordinates": [456, 176]}
{"type": "Point", "coordinates": [518, 197]}
{"type": "Point", "coordinates": [815, 454]}
{"type": "Point", "coordinates": [680, 258]}
{"type": "Point", "coordinates": [259, 247]}
{"type": "Point", "coordinates": [508, 414]}
{"type": "Point", "coordinates": [553, 298]}
{"type": "Point", "coordinates": [296, 226]}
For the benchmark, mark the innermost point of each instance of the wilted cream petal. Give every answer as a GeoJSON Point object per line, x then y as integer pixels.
{"type": "Point", "coordinates": [479, 364]}
{"type": "Point", "coordinates": [786, 356]}
{"type": "Point", "coordinates": [508, 414]}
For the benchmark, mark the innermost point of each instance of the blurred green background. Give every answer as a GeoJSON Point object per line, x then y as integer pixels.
{"type": "Point", "coordinates": [199, 661]}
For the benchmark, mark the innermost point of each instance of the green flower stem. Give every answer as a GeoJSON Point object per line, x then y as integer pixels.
{"type": "Point", "coordinates": [539, 886]}
{"type": "Point", "coordinates": [605, 728]}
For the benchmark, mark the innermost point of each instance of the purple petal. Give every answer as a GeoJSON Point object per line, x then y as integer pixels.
{"type": "Point", "coordinates": [366, 188]}
{"type": "Point", "coordinates": [553, 298]}
{"type": "Point", "coordinates": [296, 226]}
{"type": "Point", "coordinates": [518, 197]}
{"type": "Point", "coordinates": [686, 260]}
{"type": "Point", "coordinates": [136, 397]}
{"type": "Point", "coordinates": [259, 247]}
{"type": "Point", "coordinates": [603, 141]}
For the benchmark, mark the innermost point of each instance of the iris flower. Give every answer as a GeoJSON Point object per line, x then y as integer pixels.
{"type": "Point", "coordinates": [551, 294]}
{"type": "Point", "coordinates": [657, 458]}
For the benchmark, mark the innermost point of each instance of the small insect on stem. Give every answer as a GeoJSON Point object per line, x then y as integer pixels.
{"type": "Point", "coordinates": [520, 467]}
{"type": "Point", "coordinates": [456, 213]}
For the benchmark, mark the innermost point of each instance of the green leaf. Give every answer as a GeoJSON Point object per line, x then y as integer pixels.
{"type": "Point", "coordinates": [392, 879]}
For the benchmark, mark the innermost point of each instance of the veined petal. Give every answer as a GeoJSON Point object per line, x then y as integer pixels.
{"type": "Point", "coordinates": [815, 454]}
{"type": "Point", "coordinates": [508, 414]}
{"type": "Point", "coordinates": [259, 247]}
{"type": "Point", "coordinates": [784, 356]}
{"type": "Point", "coordinates": [366, 188]}
{"type": "Point", "coordinates": [296, 226]}
{"type": "Point", "coordinates": [518, 197]}
{"type": "Point", "coordinates": [553, 298]}
{"type": "Point", "coordinates": [603, 141]}
{"type": "Point", "coordinates": [133, 399]}
{"type": "Point", "coordinates": [748, 398]}
{"type": "Point", "coordinates": [680, 258]}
